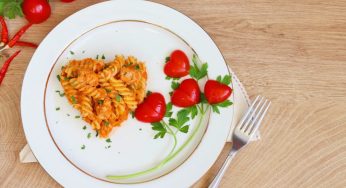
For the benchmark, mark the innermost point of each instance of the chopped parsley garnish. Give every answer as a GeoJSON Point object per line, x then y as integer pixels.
{"type": "Point", "coordinates": [108, 140]}
{"type": "Point", "coordinates": [106, 123]}
{"type": "Point", "coordinates": [84, 127]}
{"type": "Point", "coordinates": [57, 109]}
{"type": "Point", "coordinates": [108, 90]}
{"type": "Point", "coordinates": [77, 117]}
{"type": "Point", "coordinates": [60, 93]}
{"type": "Point", "coordinates": [103, 56]}
{"type": "Point", "coordinates": [59, 78]}
{"type": "Point", "coordinates": [71, 52]}
{"type": "Point", "coordinates": [148, 93]}
{"type": "Point", "coordinates": [137, 67]}
{"type": "Point", "coordinates": [74, 101]}
{"type": "Point", "coordinates": [97, 57]}
{"type": "Point", "coordinates": [107, 147]}
{"type": "Point", "coordinates": [83, 147]}
{"type": "Point", "coordinates": [89, 135]}
{"type": "Point", "coordinates": [100, 102]}
{"type": "Point", "coordinates": [167, 59]}
{"type": "Point", "coordinates": [118, 98]}
{"type": "Point", "coordinates": [97, 134]}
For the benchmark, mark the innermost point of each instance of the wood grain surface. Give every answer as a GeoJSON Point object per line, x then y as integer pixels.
{"type": "Point", "coordinates": [293, 52]}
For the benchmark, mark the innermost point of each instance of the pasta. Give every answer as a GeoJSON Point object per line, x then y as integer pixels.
{"type": "Point", "coordinates": [104, 93]}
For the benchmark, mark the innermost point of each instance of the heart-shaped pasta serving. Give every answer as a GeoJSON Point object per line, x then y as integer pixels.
{"type": "Point", "coordinates": [104, 93]}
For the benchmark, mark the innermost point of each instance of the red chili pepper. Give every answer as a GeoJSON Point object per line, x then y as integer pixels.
{"type": "Point", "coordinates": [27, 44]}
{"type": "Point", "coordinates": [4, 32]}
{"type": "Point", "coordinates": [6, 65]}
{"type": "Point", "coordinates": [19, 34]}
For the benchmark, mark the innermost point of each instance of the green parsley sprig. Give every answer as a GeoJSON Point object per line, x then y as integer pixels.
{"type": "Point", "coordinates": [197, 72]}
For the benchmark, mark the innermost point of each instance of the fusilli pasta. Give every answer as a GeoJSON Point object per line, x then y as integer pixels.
{"type": "Point", "coordinates": [104, 93]}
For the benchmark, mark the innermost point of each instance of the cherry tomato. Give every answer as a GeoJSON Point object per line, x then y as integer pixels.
{"type": "Point", "coordinates": [216, 92]}
{"type": "Point", "coordinates": [178, 65]}
{"type": "Point", "coordinates": [187, 94]}
{"type": "Point", "coordinates": [36, 11]}
{"type": "Point", "coordinates": [152, 109]}
{"type": "Point", "coordinates": [66, 1]}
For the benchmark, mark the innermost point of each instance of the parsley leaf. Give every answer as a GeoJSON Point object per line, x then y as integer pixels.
{"type": "Point", "coordinates": [223, 104]}
{"type": "Point", "coordinates": [180, 121]}
{"type": "Point", "coordinates": [77, 117]}
{"type": "Point", "coordinates": [169, 110]}
{"type": "Point", "coordinates": [108, 140]}
{"type": "Point", "coordinates": [84, 127]}
{"type": "Point", "coordinates": [227, 79]}
{"type": "Point", "coordinates": [103, 56]}
{"type": "Point", "coordinates": [108, 90]}
{"type": "Point", "coordinates": [203, 99]}
{"type": "Point", "coordinates": [157, 126]}
{"type": "Point", "coordinates": [148, 93]}
{"type": "Point", "coordinates": [83, 147]}
{"type": "Point", "coordinates": [11, 8]}
{"type": "Point", "coordinates": [167, 59]}
{"type": "Point", "coordinates": [59, 78]}
{"type": "Point", "coordinates": [89, 135]}
{"type": "Point", "coordinates": [193, 111]}
{"type": "Point", "coordinates": [175, 85]}
{"type": "Point", "coordinates": [168, 78]}
{"type": "Point", "coordinates": [71, 52]}
{"type": "Point", "coordinates": [195, 71]}
{"type": "Point", "coordinates": [58, 108]}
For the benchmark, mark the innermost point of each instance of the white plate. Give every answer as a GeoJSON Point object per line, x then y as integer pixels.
{"type": "Point", "coordinates": [150, 32]}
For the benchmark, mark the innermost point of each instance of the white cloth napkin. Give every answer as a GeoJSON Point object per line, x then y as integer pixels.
{"type": "Point", "coordinates": [241, 104]}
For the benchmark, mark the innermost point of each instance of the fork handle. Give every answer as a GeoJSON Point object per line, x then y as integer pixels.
{"type": "Point", "coordinates": [215, 183]}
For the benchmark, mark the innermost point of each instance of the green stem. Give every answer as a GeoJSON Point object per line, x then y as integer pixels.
{"type": "Point", "coordinates": [189, 139]}
{"type": "Point", "coordinates": [171, 155]}
{"type": "Point", "coordinates": [153, 168]}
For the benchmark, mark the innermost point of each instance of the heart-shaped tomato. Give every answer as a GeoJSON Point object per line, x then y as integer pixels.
{"type": "Point", "coordinates": [152, 109]}
{"type": "Point", "coordinates": [216, 92]}
{"type": "Point", "coordinates": [187, 94]}
{"type": "Point", "coordinates": [178, 65]}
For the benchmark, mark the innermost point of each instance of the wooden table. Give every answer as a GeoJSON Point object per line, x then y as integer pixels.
{"type": "Point", "coordinates": [293, 52]}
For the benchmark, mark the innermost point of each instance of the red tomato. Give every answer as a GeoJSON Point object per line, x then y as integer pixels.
{"type": "Point", "coordinates": [216, 92]}
{"type": "Point", "coordinates": [36, 11]}
{"type": "Point", "coordinates": [66, 1]}
{"type": "Point", "coordinates": [187, 94]}
{"type": "Point", "coordinates": [178, 65]}
{"type": "Point", "coordinates": [152, 109]}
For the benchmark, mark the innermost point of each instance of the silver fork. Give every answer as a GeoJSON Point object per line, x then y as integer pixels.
{"type": "Point", "coordinates": [246, 128]}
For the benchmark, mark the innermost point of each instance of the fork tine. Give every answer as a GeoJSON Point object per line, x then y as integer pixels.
{"type": "Point", "coordinates": [258, 123]}
{"type": "Point", "coordinates": [240, 124]}
{"type": "Point", "coordinates": [255, 117]}
{"type": "Point", "coordinates": [254, 112]}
